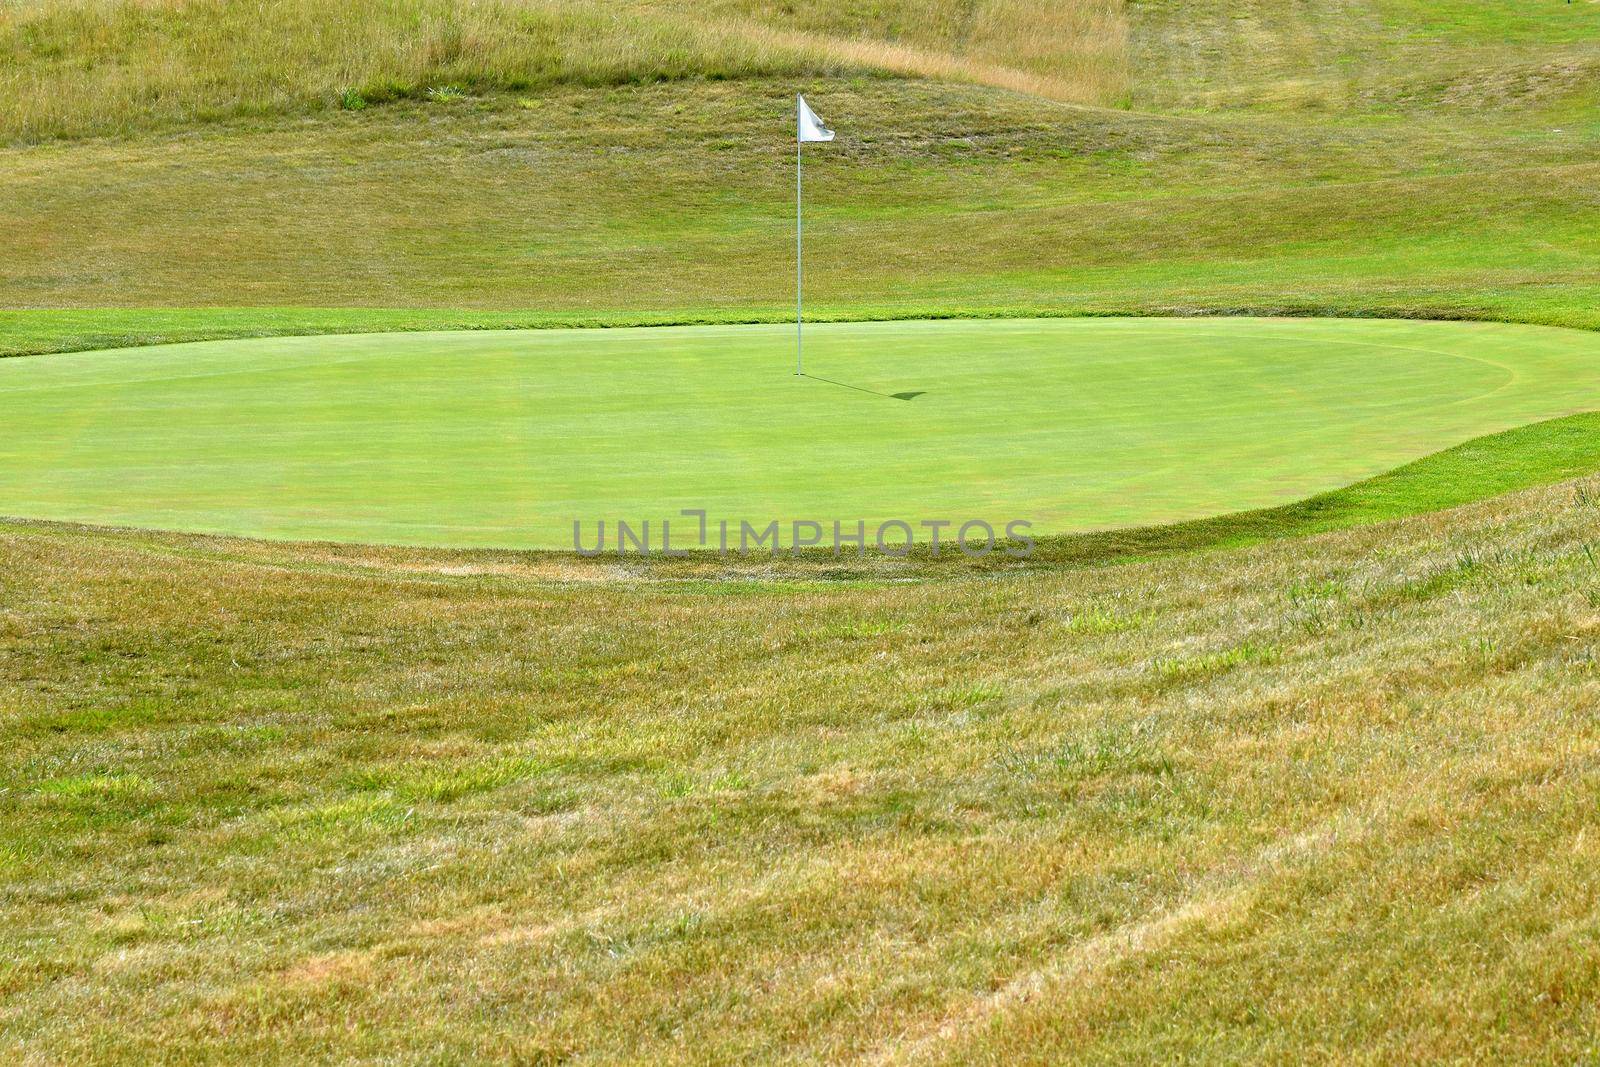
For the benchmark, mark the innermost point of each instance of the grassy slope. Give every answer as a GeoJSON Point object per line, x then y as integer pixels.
{"type": "Point", "coordinates": [1535, 455]}
{"type": "Point", "coordinates": [942, 199]}
{"type": "Point", "coordinates": [1219, 806]}
{"type": "Point", "coordinates": [90, 66]}
{"type": "Point", "coordinates": [98, 66]}
{"type": "Point", "coordinates": [1365, 57]}
{"type": "Point", "coordinates": [939, 199]}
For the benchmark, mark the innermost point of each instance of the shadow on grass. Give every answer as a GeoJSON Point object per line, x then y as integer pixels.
{"type": "Point", "coordinates": [909, 395]}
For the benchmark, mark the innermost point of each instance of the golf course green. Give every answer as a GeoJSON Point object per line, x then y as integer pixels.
{"type": "Point", "coordinates": [505, 438]}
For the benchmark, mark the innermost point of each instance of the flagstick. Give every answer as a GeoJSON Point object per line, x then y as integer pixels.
{"type": "Point", "coordinates": [807, 128]}
{"type": "Point", "coordinates": [799, 262]}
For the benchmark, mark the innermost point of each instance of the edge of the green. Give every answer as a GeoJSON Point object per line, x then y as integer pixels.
{"type": "Point", "coordinates": [1539, 454]}
{"type": "Point", "coordinates": [48, 331]}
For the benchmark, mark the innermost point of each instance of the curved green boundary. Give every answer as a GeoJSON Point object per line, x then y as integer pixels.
{"type": "Point", "coordinates": [1485, 467]}
{"type": "Point", "coordinates": [45, 331]}
{"type": "Point", "coordinates": [1541, 454]}
{"type": "Point", "coordinates": [511, 438]}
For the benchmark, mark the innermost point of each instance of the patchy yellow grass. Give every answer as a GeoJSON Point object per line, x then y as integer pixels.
{"type": "Point", "coordinates": [1310, 801]}
{"type": "Point", "coordinates": [468, 807]}
{"type": "Point", "coordinates": [112, 65]}
{"type": "Point", "coordinates": [1071, 52]}
{"type": "Point", "coordinates": [937, 198]}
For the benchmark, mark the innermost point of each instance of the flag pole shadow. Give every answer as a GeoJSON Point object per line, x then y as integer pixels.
{"type": "Point", "coordinates": [907, 395]}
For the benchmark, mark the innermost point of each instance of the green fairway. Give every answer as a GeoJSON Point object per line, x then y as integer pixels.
{"type": "Point", "coordinates": [506, 438]}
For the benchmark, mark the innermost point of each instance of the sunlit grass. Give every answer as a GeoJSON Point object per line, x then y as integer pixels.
{"type": "Point", "coordinates": [937, 199]}
{"type": "Point", "coordinates": [1082, 812]}
{"type": "Point", "coordinates": [97, 66]}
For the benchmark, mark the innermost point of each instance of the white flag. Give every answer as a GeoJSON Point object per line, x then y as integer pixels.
{"type": "Point", "coordinates": [811, 127]}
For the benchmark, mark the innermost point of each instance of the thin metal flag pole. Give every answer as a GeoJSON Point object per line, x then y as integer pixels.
{"type": "Point", "coordinates": [799, 258]}
{"type": "Point", "coordinates": [807, 128]}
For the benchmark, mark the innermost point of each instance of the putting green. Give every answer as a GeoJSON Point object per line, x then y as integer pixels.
{"type": "Point", "coordinates": [506, 438]}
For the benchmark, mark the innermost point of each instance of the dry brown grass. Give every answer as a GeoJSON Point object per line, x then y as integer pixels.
{"type": "Point", "coordinates": [114, 65]}
{"type": "Point", "coordinates": [677, 201]}
{"type": "Point", "coordinates": [1094, 71]}
{"type": "Point", "coordinates": [1073, 52]}
{"type": "Point", "coordinates": [1367, 56]}
{"type": "Point", "coordinates": [92, 66]}
{"type": "Point", "coordinates": [455, 807]}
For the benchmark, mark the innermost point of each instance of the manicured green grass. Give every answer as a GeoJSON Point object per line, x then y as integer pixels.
{"type": "Point", "coordinates": [1527, 456]}
{"type": "Point", "coordinates": [506, 439]}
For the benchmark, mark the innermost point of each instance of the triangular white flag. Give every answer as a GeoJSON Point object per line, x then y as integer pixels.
{"type": "Point", "coordinates": [811, 127]}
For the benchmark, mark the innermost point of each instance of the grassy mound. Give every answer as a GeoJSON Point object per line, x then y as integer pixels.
{"type": "Point", "coordinates": [1437, 160]}
{"type": "Point", "coordinates": [938, 200]}
{"type": "Point", "coordinates": [94, 66]}
{"type": "Point", "coordinates": [468, 808]}
{"type": "Point", "coordinates": [91, 66]}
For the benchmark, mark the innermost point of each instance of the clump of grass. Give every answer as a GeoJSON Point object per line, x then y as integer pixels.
{"type": "Point", "coordinates": [1127, 753]}
{"type": "Point", "coordinates": [443, 785]}
{"type": "Point", "coordinates": [1101, 621]}
{"type": "Point", "coordinates": [972, 696]}
{"type": "Point", "coordinates": [678, 785]}
{"type": "Point", "coordinates": [335, 816]}
{"type": "Point", "coordinates": [1111, 752]}
{"type": "Point", "coordinates": [860, 629]}
{"type": "Point", "coordinates": [1184, 670]}
{"type": "Point", "coordinates": [99, 786]}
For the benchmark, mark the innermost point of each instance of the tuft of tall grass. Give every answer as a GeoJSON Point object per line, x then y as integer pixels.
{"type": "Point", "coordinates": [107, 66]}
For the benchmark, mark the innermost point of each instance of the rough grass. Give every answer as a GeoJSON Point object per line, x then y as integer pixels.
{"type": "Point", "coordinates": [1452, 57]}
{"type": "Point", "coordinates": [96, 66]}
{"type": "Point", "coordinates": [72, 67]}
{"type": "Point", "coordinates": [1217, 806]}
{"type": "Point", "coordinates": [676, 202]}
